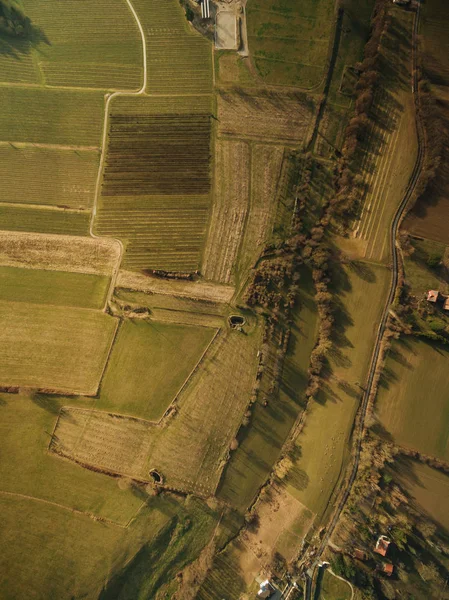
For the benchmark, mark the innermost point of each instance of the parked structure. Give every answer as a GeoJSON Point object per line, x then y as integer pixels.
{"type": "Point", "coordinates": [388, 569]}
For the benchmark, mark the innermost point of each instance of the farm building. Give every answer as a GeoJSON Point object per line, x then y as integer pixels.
{"type": "Point", "coordinates": [359, 554]}
{"type": "Point", "coordinates": [433, 295]}
{"type": "Point", "coordinates": [266, 590]}
{"type": "Point", "coordinates": [382, 545]}
{"type": "Point", "coordinates": [446, 303]}
{"type": "Point", "coordinates": [388, 568]}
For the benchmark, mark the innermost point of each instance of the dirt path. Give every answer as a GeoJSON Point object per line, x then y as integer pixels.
{"type": "Point", "coordinates": [103, 151]}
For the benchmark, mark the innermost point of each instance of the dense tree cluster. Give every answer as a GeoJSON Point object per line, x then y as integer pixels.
{"type": "Point", "coordinates": [13, 20]}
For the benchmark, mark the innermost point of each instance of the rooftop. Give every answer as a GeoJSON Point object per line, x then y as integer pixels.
{"type": "Point", "coordinates": [382, 545]}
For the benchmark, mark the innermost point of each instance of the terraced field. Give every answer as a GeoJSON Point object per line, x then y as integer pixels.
{"type": "Point", "coordinates": [179, 59]}
{"type": "Point", "coordinates": [56, 177]}
{"type": "Point", "coordinates": [96, 46]}
{"type": "Point", "coordinates": [49, 347]}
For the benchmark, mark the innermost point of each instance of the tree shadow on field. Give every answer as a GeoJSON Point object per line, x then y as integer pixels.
{"type": "Point", "coordinates": [17, 46]}
{"type": "Point", "coordinates": [46, 402]}
{"type": "Point", "coordinates": [363, 270]}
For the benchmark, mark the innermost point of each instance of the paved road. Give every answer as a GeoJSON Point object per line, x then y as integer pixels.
{"type": "Point", "coordinates": [382, 326]}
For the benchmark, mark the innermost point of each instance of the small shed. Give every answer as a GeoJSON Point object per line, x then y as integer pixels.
{"type": "Point", "coordinates": [382, 545]}
{"type": "Point", "coordinates": [433, 296]}
{"type": "Point", "coordinates": [388, 569]}
{"type": "Point", "coordinates": [446, 303]}
{"type": "Point", "coordinates": [266, 589]}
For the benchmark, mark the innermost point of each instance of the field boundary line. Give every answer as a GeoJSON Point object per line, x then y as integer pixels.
{"type": "Point", "coordinates": [67, 508]}
{"type": "Point", "coordinates": [110, 97]}
{"type": "Point", "coordinates": [51, 207]}
{"type": "Point", "coordinates": [44, 145]}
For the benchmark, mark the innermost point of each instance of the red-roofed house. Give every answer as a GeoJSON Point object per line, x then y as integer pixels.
{"type": "Point", "coordinates": [382, 545]}
{"type": "Point", "coordinates": [433, 296]}
{"type": "Point", "coordinates": [388, 568]}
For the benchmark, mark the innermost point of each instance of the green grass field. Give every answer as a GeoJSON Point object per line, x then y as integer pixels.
{"type": "Point", "coordinates": [289, 41]}
{"type": "Point", "coordinates": [56, 177]}
{"type": "Point", "coordinates": [76, 117]}
{"type": "Point", "coordinates": [428, 488]}
{"type": "Point", "coordinates": [96, 46]}
{"type": "Point", "coordinates": [26, 425]}
{"type": "Point", "coordinates": [412, 404]}
{"type": "Point", "coordinates": [419, 275]}
{"type": "Point", "coordinates": [179, 59]}
{"type": "Point", "coordinates": [261, 443]}
{"type": "Point", "coordinates": [43, 220]}
{"type": "Point", "coordinates": [53, 287]}
{"type": "Point", "coordinates": [49, 347]}
{"type": "Point", "coordinates": [148, 366]}
{"type": "Point", "coordinates": [322, 446]}
{"type": "Point", "coordinates": [334, 589]}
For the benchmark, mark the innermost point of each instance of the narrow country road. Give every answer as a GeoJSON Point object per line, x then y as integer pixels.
{"type": "Point", "coordinates": [103, 150]}
{"type": "Point", "coordinates": [358, 433]}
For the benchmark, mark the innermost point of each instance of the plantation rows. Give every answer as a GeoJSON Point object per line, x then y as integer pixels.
{"type": "Point", "coordinates": [158, 154]}
{"type": "Point", "coordinates": [159, 232]}
{"type": "Point", "coordinates": [160, 105]}
{"type": "Point", "coordinates": [40, 220]}
{"type": "Point", "coordinates": [18, 71]}
{"type": "Point", "coordinates": [99, 35]}
{"type": "Point", "coordinates": [48, 176]}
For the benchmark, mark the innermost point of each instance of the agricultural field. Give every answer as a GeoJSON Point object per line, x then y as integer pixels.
{"type": "Point", "coordinates": [290, 42]}
{"type": "Point", "coordinates": [412, 404]}
{"type": "Point", "coordinates": [428, 488]}
{"type": "Point", "coordinates": [56, 288]}
{"type": "Point", "coordinates": [261, 443]}
{"type": "Point", "coordinates": [322, 446]}
{"type": "Point", "coordinates": [158, 154]}
{"type": "Point", "coordinates": [426, 268]}
{"type": "Point", "coordinates": [94, 47]}
{"type": "Point", "coordinates": [149, 364]}
{"type": "Point", "coordinates": [76, 117]}
{"type": "Point", "coordinates": [284, 118]}
{"type": "Point", "coordinates": [179, 58]}
{"type": "Point", "coordinates": [429, 216]}
{"type": "Point", "coordinates": [229, 211]}
{"type": "Point", "coordinates": [40, 219]}
{"type": "Point", "coordinates": [58, 253]}
{"type": "Point", "coordinates": [49, 347]}
{"type": "Point", "coordinates": [189, 450]}
{"type": "Point", "coordinates": [57, 177]}
{"type": "Point", "coordinates": [156, 183]}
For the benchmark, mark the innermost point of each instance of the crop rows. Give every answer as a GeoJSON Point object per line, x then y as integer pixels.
{"type": "Point", "coordinates": [179, 60]}
{"type": "Point", "coordinates": [160, 105]}
{"type": "Point", "coordinates": [158, 154]}
{"type": "Point", "coordinates": [40, 115]}
{"type": "Point", "coordinates": [48, 176]}
{"type": "Point", "coordinates": [14, 70]}
{"type": "Point", "coordinates": [41, 220]}
{"type": "Point", "coordinates": [92, 37]}
{"type": "Point", "coordinates": [160, 232]}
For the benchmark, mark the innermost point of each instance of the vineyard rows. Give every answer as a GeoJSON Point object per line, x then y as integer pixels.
{"type": "Point", "coordinates": [42, 220]}
{"type": "Point", "coordinates": [53, 177]}
{"type": "Point", "coordinates": [163, 154]}
{"type": "Point", "coordinates": [160, 232]}
{"type": "Point", "coordinates": [93, 46]}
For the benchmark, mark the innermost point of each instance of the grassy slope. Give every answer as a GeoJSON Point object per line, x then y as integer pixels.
{"type": "Point", "coordinates": [334, 589]}
{"type": "Point", "coordinates": [148, 365]}
{"type": "Point", "coordinates": [289, 41]}
{"type": "Point", "coordinates": [26, 425]}
{"type": "Point", "coordinates": [412, 402]}
{"type": "Point", "coordinates": [53, 287]}
{"type": "Point", "coordinates": [261, 443]}
{"type": "Point", "coordinates": [428, 487]}
{"type": "Point", "coordinates": [322, 446]}
{"type": "Point", "coordinates": [53, 347]}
